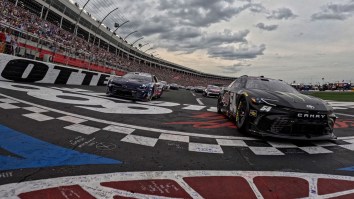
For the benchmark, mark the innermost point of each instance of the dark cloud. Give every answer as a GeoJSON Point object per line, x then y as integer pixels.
{"type": "Point", "coordinates": [234, 68]}
{"type": "Point", "coordinates": [257, 8]}
{"type": "Point", "coordinates": [201, 13]}
{"type": "Point", "coordinates": [187, 39]}
{"type": "Point", "coordinates": [262, 26]}
{"type": "Point", "coordinates": [281, 13]}
{"type": "Point", "coordinates": [243, 51]}
{"type": "Point", "coordinates": [335, 12]}
{"type": "Point", "coordinates": [176, 25]}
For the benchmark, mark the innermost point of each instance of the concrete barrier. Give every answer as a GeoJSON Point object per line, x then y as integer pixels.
{"type": "Point", "coordinates": [26, 70]}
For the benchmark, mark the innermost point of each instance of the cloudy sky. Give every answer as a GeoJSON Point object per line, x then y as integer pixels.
{"type": "Point", "coordinates": [301, 40]}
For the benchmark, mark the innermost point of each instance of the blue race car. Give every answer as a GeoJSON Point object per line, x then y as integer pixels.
{"type": "Point", "coordinates": [135, 86]}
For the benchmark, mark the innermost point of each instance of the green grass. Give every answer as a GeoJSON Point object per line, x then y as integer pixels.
{"type": "Point", "coordinates": [335, 96]}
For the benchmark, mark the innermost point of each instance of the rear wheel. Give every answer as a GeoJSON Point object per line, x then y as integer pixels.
{"type": "Point", "coordinates": [242, 115]}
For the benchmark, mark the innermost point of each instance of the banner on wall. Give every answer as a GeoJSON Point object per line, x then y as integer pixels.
{"type": "Point", "coordinates": [25, 70]}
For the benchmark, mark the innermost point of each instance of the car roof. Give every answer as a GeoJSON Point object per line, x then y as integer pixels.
{"type": "Point", "coordinates": [260, 78]}
{"type": "Point", "coordinates": [141, 74]}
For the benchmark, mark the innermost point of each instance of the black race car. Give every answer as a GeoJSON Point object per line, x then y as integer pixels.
{"type": "Point", "coordinates": [174, 87]}
{"type": "Point", "coordinates": [199, 89]}
{"type": "Point", "coordinates": [134, 85]}
{"type": "Point", "coordinates": [272, 108]}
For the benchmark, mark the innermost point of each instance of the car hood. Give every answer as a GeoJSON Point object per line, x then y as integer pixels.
{"type": "Point", "coordinates": [214, 90]}
{"type": "Point", "coordinates": [130, 82]}
{"type": "Point", "coordinates": [293, 100]}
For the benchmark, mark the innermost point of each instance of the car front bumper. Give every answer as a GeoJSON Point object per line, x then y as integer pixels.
{"type": "Point", "coordinates": [130, 93]}
{"type": "Point", "coordinates": [284, 124]}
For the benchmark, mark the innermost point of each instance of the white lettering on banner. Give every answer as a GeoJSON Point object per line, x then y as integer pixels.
{"type": "Point", "coordinates": [107, 106]}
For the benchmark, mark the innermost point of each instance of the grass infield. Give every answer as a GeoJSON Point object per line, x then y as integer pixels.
{"type": "Point", "coordinates": [335, 96]}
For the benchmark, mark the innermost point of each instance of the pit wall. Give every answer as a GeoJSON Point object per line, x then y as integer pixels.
{"type": "Point", "coordinates": [26, 70]}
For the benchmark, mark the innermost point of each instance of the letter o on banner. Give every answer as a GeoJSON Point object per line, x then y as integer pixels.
{"type": "Point", "coordinates": [15, 71]}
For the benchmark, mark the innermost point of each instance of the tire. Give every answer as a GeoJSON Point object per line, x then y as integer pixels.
{"type": "Point", "coordinates": [242, 115]}
{"type": "Point", "coordinates": [151, 96]}
{"type": "Point", "coordinates": [218, 106]}
{"type": "Point", "coordinates": [108, 94]}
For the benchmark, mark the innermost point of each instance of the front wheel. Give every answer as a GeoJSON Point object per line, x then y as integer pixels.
{"type": "Point", "coordinates": [242, 115]}
{"type": "Point", "coordinates": [151, 96]}
{"type": "Point", "coordinates": [108, 93]}
{"type": "Point", "coordinates": [218, 106]}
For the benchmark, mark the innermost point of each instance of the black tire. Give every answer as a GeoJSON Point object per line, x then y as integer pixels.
{"type": "Point", "coordinates": [108, 93]}
{"type": "Point", "coordinates": [242, 115]}
{"type": "Point", "coordinates": [218, 106]}
{"type": "Point", "coordinates": [151, 97]}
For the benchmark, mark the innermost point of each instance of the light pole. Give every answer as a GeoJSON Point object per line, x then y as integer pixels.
{"type": "Point", "coordinates": [143, 45]}
{"type": "Point", "coordinates": [118, 27]}
{"type": "Point", "coordinates": [50, 5]}
{"type": "Point", "coordinates": [148, 49]}
{"type": "Point", "coordinates": [76, 27]}
{"type": "Point", "coordinates": [94, 39]}
{"type": "Point", "coordinates": [130, 34]}
{"type": "Point", "coordinates": [137, 41]}
{"type": "Point", "coordinates": [155, 55]}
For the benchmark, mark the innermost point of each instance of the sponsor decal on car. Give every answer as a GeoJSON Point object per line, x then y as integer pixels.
{"type": "Point", "coordinates": [311, 116]}
{"type": "Point", "coordinates": [266, 109]}
{"type": "Point", "coordinates": [253, 113]}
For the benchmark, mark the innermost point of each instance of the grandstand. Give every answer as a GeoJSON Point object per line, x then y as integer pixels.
{"type": "Point", "coordinates": [57, 31]}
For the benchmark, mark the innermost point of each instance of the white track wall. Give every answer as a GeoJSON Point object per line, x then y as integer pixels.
{"type": "Point", "coordinates": [26, 70]}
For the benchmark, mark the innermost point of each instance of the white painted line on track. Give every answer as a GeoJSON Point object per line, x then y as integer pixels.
{"type": "Point", "coordinates": [282, 144]}
{"type": "Point", "coordinates": [346, 138]}
{"type": "Point", "coordinates": [177, 138]}
{"type": "Point", "coordinates": [73, 120]}
{"type": "Point", "coordinates": [87, 130]}
{"type": "Point", "coordinates": [266, 151]}
{"type": "Point", "coordinates": [38, 117]}
{"type": "Point", "coordinates": [193, 94]}
{"type": "Point", "coordinates": [205, 148]}
{"type": "Point", "coordinates": [8, 106]}
{"type": "Point", "coordinates": [133, 126]}
{"type": "Point", "coordinates": [315, 150]}
{"type": "Point", "coordinates": [348, 146]}
{"type": "Point", "coordinates": [350, 141]}
{"type": "Point", "coordinates": [119, 129]}
{"type": "Point", "coordinates": [8, 101]}
{"type": "Point", "coordinates": [199, 100]}
{"type": "Point", "coordinates": [238, 143]}
{"type": "Point", "coordinates": [324, 143]}
{"type": "Point", "coordinates": [35, 109]}
{"type": "Point", "coordinates": [136, 139]}
{"type": "Point", "coordinates": [213, 109]}
{"type": "Point", "coordinates": [194, 107]}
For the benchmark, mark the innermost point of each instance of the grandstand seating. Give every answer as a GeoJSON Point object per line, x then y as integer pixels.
{"type": "Point", "coordinates": [33, 37]}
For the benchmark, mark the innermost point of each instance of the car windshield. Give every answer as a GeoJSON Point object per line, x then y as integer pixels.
{"type": "Point", "coordinates": [138, 76]}
{"type": "Point", "coordinates": [273, 85]}
{"type": "Point", "coordinates": [214, 87]}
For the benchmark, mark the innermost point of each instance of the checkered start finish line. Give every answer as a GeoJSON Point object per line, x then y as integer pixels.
{"type": "Point", "coordinates": [81, 124]}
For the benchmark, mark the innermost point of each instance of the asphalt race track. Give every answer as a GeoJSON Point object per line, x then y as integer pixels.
{"type": "Point", "coordinates": [73, 141]}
